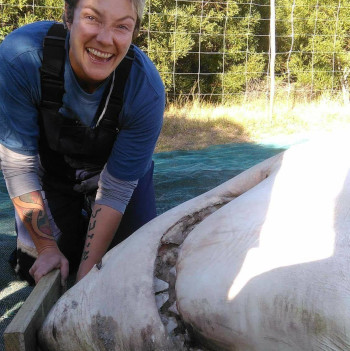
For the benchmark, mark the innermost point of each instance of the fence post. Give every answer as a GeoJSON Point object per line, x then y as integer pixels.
{"type": "Point", "coordinates": [272, 55]}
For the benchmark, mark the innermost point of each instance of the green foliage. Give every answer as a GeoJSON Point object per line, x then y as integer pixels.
{"type": "Point", "coordinates": [15, 13]}
{"type": "Point", "coordinates": [319, 54]}
{"type": "Point", "coordinates": [220, 49]}
{"type": "Point", "coordinates": [167, 39]}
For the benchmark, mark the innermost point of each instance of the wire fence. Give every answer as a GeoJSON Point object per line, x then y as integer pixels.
{"type": "Point", "coordinates": [224, 51]}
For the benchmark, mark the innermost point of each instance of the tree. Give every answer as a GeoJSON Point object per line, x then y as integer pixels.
{"type": "Point", "coordinates": [315, 42]}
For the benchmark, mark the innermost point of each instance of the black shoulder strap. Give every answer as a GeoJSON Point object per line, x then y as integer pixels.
{"type": "Point", "coordinates": [52, 69]}
{"type": "Point", "coordinates": [115, 105]}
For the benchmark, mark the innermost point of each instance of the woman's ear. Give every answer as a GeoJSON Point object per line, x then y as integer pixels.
{"type": "Point", "coordinates": [67, 15]}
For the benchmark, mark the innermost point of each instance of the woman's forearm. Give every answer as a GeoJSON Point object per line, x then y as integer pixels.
{"type": "Point", "coordinates": [31, 210]}
{"type": "Point", "coordinates": [104, 222]}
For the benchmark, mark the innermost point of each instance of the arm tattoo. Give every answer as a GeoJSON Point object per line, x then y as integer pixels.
{"type": "Point", "coordinates": [93, 215]}
{"type": "Point", "coordinates": [31, 210]}
{"type": "Point", "coordinates": [85, 255]}
{"type": "Point", "coordinates": [92, 225]}
{"type": "Point", "coordinates": [90, 235]}
{"type": "Point", "coordinates": [99, 265]}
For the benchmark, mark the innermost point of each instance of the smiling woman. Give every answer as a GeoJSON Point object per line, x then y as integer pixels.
{"type": "Point", "coordinates": [80, 117]}
{"type": "Point", "coordinates": [101, 34]}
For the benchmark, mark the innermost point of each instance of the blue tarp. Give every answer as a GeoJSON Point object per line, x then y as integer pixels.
{"type": "Point", "coordinates": [182, 175]}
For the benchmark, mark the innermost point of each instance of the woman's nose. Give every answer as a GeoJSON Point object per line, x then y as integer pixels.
{"type": "Point", "coordinates": [105, 36]}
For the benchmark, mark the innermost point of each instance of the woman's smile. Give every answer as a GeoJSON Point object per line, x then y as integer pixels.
{"type": "Point", "coordinates": [100, 56]}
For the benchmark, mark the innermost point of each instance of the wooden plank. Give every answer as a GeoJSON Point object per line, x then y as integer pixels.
{"type": "Point", "coordinates": [21, 333]}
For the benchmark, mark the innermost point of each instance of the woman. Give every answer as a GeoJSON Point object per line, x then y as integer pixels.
{"type": "Point", "coordinates": [83, 108]}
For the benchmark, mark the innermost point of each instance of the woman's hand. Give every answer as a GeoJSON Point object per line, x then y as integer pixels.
{"type": "Point", "coordinates": [49, 259]}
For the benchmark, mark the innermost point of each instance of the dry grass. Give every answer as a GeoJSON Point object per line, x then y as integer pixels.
{"type": "Point", "coordinates": [195, 125]}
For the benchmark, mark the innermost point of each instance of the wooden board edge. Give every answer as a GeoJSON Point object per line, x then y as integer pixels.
{"type": "Point", "coordinates": [20, 334]}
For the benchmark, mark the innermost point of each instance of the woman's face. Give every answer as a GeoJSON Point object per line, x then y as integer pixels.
{"type": "Point", "coordinates": [100, 36]}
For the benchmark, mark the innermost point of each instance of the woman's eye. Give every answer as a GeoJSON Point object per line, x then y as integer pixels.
{"type": "Point", "coordinates": [91, 18]}
{"type": "Point", "coordinates": [123, 27]}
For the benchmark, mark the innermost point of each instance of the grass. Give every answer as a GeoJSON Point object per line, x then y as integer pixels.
{"type": "Point", "coordinates": [195, 125]}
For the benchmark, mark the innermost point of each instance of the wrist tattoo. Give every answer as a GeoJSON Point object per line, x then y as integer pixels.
{"type": "Point", "coordinates": [90, 235]}
{"type": "Point", "coordinates": [85, 255]}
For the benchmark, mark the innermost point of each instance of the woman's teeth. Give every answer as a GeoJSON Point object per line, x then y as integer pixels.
{"type": "Point", "coordinates": [100, 54]}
